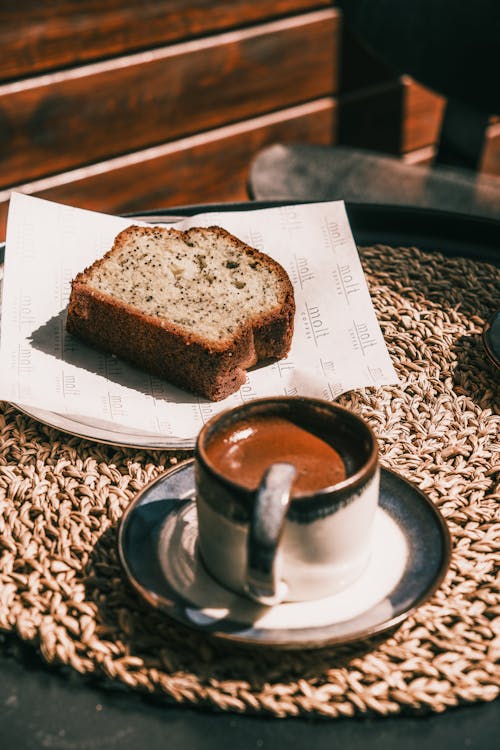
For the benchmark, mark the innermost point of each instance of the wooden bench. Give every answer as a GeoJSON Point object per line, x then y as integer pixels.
{"type": "Point", "coordinates": [123, 106]}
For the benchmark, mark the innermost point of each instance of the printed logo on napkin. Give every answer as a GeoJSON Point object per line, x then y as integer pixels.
{"type": "Point", "coordinates": [337, 345]}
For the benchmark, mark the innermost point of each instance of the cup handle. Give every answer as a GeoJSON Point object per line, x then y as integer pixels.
{"type": "Point", "coordinates": [266, 525]}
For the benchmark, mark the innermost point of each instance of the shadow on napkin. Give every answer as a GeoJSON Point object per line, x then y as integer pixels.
{"type": "Point", "coordinates": [52, 339]}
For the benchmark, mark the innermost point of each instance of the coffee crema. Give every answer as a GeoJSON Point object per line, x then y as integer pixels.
{"type": "Point", "coordinates": [242, 453]}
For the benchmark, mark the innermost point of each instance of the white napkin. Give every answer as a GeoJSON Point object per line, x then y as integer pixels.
{"type": "Point", "coordinates": [337, 344]}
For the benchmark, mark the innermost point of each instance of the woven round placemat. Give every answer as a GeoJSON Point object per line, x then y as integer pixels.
{"type": "Point", "coordinates": [61, 499]}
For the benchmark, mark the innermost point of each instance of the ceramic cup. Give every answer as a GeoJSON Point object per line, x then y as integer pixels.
{"type": "Point", "coordinates": [275, 523]}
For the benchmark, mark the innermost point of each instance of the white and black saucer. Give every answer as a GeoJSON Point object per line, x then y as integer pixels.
{"type": "Point", "coordinates": [157, 546]}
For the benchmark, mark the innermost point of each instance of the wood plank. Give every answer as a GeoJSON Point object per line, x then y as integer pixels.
{"type": "Point", "coordinates": [490, 162]}
{"type": "Point", "coordinates": [393, 117]}
{"type": "Point", "coordinates": [420, 156]}
{"type": "Point", "coordinates": [206, 167]}
{"type": "Point", "coordinates": [423, 114]}
{"type": "Point", "coordinates": [39, 36]}
{"type": "Point", "coordinates": [61, 120]}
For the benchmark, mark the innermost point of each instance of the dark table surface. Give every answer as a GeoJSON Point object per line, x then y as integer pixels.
{"type": "Point", "coordinates": [48, 708]}
{"type": "Point", "coordinates": [42, 707]}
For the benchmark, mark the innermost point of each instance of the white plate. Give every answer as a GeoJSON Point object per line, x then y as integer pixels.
{"type": "Point", "coordinates": [102, 432]}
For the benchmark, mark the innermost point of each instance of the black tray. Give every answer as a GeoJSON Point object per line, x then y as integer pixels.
{"type": "Point", "coordinates": [44, 707]}
{"type": "Point", "coordinates": [450, 233]}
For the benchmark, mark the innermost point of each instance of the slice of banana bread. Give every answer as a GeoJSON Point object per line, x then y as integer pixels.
{"type": "Point", "coordinates": [196, 308]}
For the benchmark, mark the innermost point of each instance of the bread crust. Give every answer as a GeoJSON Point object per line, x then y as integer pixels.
{"type": "Point", "coordinates": [213, 369]}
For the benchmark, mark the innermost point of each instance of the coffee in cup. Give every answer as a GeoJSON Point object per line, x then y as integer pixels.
{"type": "Point", "coordinates": [287, 490]}
{"type": "Point", "coordinates": [243, 453]}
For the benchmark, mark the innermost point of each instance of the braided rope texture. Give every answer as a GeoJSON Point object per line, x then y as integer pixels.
{"type": "Point", "coordinates": [61, 500]}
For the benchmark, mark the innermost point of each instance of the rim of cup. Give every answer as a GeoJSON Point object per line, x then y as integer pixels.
{"type": "Point", "coordinates": [248, 409]}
